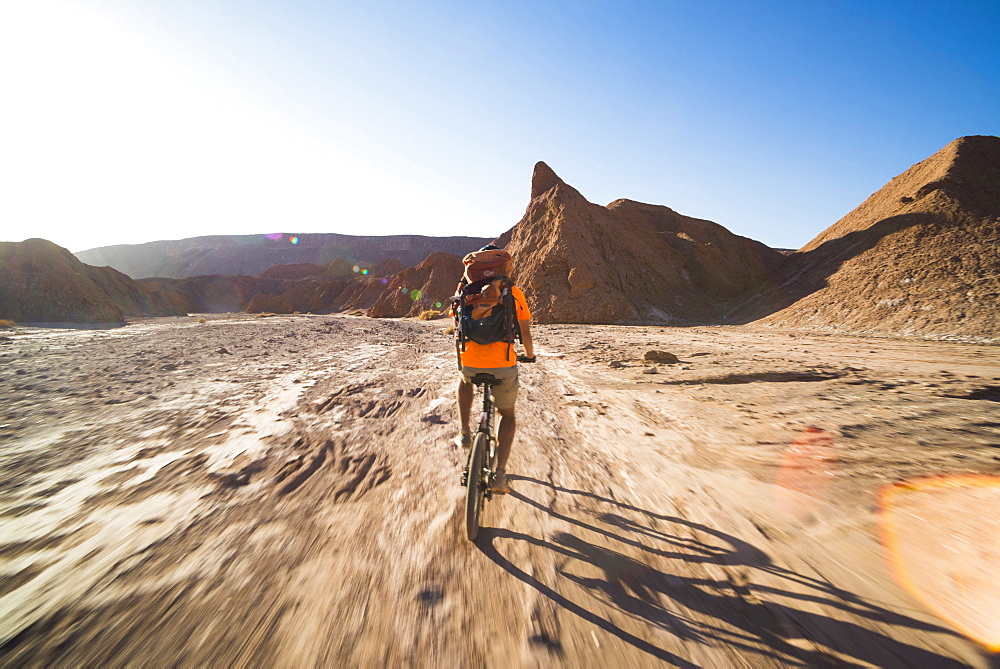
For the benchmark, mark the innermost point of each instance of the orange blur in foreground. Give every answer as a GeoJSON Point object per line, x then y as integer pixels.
{"type": "Point", "coordinates": [807, 471]}
{"type": "Point", "coordinates": [942, 540]}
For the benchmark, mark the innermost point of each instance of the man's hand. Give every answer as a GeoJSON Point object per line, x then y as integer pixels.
{"type": "Point", "coordinates": [524, 358]}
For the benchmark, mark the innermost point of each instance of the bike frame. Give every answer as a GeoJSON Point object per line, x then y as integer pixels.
{"type": "Point", "coordinates": [486, 417]}
{"type": "Point", "coordinates": [486, 428]}
{"type": "Point", "coordinates": [479, 468]}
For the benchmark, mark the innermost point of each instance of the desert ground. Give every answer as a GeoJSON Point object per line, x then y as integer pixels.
{"type": "Point", "coordinates": [285, 492]}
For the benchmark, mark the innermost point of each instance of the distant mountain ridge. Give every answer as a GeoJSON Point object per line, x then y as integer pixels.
{"type": "Point", "coordinates": [920, 257]}
{"type": "Point", "coordinates": [251, 255]}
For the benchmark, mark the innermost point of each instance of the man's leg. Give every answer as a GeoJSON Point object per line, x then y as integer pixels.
{"type": "Point", "coordinates": [505, 435]}
{"type": "Point", "coordinates": [465, 392]}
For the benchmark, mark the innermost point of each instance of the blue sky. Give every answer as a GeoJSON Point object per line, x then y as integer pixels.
{"type": "Point", "coordinates": [136, 120]}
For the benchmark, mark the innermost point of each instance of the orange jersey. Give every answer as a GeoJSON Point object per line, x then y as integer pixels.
{"type": "Point", "coordinates": [491, 356]}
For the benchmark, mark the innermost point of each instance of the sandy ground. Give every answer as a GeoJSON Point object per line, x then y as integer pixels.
{"type": "Point", "coordinates": [285, 492]}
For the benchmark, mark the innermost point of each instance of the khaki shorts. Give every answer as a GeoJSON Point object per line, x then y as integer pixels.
{"type": "Point", "coordinates": [505, 394]}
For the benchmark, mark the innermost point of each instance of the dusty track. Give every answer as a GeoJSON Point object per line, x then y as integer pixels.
{"type": "Point", "coordinates": [284, 492]}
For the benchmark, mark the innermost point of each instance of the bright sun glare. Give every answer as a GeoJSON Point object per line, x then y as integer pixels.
{"type": "Point", "coordinates": [106, 138]}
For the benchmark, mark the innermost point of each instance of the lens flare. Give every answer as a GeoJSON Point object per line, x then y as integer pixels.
{"type": "Point", "coordinates": [364, 271]}
{"type": "Point", "coordinates": [437, 305]}
{"type": "Point", "coordinates": [415, 295]}
{"type": "Point", "coordinates": [384, 280]}
{"type": "Point", "coordinates": [806, 473]}
{"type": "Point", "coordinates": [356, 269]}
{"type": "Point", "coordinates": [404, 289]}
{"type": "Point", "coordinates": [293, 240]}
{"type": "Point", "coordinates": [274, 236]}
{"type": "Point", "coordinates": [941, 537]}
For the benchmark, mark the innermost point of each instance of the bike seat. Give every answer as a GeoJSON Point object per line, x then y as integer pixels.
{"type": "Point", "coordinates": [485, 380]}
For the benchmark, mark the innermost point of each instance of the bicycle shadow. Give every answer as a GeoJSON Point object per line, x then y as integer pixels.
{"type": "Point", "coordinates": [744, 623]}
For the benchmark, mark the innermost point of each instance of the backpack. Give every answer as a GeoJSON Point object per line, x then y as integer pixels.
{"type": "Point", "coordinates": [483, 305]}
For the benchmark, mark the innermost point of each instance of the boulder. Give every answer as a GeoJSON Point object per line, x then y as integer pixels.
{"type": "Point", "coordinates": [660, 356]}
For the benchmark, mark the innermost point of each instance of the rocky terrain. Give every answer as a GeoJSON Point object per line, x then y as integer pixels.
{"type": "Point", "coordinates": [815, 483]}
{"type": "Point", "coordinates": [284, 492]}
{"type": "Point", "coordinates": [42, 282]}
{"type": "Point", "coordinates": [214, 293]}
{"type": "Point", "coordinates": [426, 286]}
{"type": "Point", "coordinates": [921, 255]}
{"type": "Point", "coordinates": [627, 262]}
{"type": "Point", "coordinates": [387, 290]}
{"type": "Point", "coordinates": [253, 254]}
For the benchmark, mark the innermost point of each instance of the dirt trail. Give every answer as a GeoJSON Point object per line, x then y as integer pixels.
{"type": "Point", "coordinates": [284, 492]}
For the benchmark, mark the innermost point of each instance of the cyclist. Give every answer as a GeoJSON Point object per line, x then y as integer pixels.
{"type": "Point", "coordinates": [493, 359]}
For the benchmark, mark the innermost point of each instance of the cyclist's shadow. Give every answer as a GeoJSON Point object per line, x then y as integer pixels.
{"type": "Point", "coordinates": [638, 589]}
{"type": "Point", "coordinates": [487, 536]}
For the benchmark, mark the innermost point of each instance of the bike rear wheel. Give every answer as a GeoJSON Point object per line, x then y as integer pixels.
{"type": "Point", "coordinates": [476, 486]}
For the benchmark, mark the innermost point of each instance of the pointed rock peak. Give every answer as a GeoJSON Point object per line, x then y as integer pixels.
{"type": "Point", "coordinates": [543, 179]}
{"type": "Point", "coordinates": [440, 259]}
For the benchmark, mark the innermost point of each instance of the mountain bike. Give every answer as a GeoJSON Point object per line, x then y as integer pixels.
{"type": "Point", "coordinates": [479, 471]}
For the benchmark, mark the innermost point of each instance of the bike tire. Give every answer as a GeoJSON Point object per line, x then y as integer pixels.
{"type": "Point", "coordinates": [476, 487]}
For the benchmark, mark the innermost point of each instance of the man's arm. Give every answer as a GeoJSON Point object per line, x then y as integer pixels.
{"type": "Point", "coordinates": [529, 347]}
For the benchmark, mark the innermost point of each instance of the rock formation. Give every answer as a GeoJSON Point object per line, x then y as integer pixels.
{"type": "Point", "coordinates": [274, 304]}
{"type": "Point", "coordinates": [339, 269]}
{"type": "Point", "coordinates": [307, 296]}
{"type": "Point", "coordinates": [337, 287]}
{"type": "Point", "coordinates": [215, 293]}
{"type": "Point", "coordinates": [415, 289]}
{"type": "Point", "coordinates": [282, 289]}
{"type": "Point", "coordinates": [253, 254]}
{"type": "Point", "coordinates": [387, 267]}
{"type": "Point", "coordinates": [921, 256]}
{"type": "Point", "coordinates": [627, 262]}
{"type": "Point", "coordinates": [361, 293]}
{"type": "Point", "coordinates": [364, 291]}
{"type": "Point", "coordinates": [388, 290]}
{"type": "Point", "coordinates": [42, 282]}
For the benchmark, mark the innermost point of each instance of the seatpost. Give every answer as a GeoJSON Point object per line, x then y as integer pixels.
{"type": "Point", "coordinates": [484, 419]}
